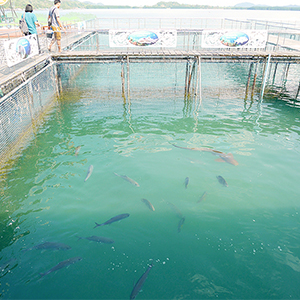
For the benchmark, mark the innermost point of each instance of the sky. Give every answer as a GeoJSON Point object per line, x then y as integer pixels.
{"type": "Point", "coordinates": [200, 2]}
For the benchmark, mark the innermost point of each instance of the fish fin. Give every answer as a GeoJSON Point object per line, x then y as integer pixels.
{"type": "Point", "coordinates": [219, 160]}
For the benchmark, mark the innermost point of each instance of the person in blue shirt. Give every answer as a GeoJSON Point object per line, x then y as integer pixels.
{"type": "Point", "coordinates": [31, 19]}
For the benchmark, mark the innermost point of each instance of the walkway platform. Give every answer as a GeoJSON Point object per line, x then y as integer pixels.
{"type": "Point", "coordinates": [171, 55]}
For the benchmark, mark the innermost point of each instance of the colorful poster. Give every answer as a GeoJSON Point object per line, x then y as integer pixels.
{"type": "Point", "coordinates": [234, 39]}
{"type": "Point", "coordinates": [20, 49]}
{"type": "Point", "coordinates": [143, 38]}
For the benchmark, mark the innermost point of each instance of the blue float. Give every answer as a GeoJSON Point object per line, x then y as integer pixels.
{"type": "Point", "coordinates": [234, 39]}
{"type": "Point", "coordinates": [23, 47]}
{"type": "Point", "coordinates": [142, 38]}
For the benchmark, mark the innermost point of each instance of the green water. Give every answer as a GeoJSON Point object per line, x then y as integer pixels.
{"type": "Point", "coordinates": [241, 242]}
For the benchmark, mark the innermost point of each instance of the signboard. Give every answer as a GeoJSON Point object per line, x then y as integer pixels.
{"type": "Point", "coordinates": [2, 2]}
{"type": "Point", "coordinates": [143, 38]}
{"type": "Point", "coordinates": [18, 50]}
{"type": "Point", "coordinates": [234, 39]}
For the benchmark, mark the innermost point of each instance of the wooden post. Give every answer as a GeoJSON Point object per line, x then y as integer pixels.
{"type": "Point", "coordinates": [186, 78]}
{"type": "Point", "coordinates": [266, 70]}
{"type": "Point", "coordinates": [248, 81]}
{"type": "Point", "coordinates": [192, 69]}
{"type": "Point", "coordinates": [298, 91]}
{"type": "Point", "coordinates": [254, 81]}
{"type": "Point", "coordinates": [123, 81]}
{"type": "Point", "coordinates": [128, 83]}
{"type": "Point", "coordinates": [274, 74]}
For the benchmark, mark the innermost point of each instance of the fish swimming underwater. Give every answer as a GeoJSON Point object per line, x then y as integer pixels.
{"type": "Point", "coordinates": [62, 264]}
{"type": "Point", "coordinates": [180, 223]}
{"type": "Point", "coordinates": [186, 182]}
{"type": "Point", "coordinates": [50, 245]}
{"type": "Point", "coordinates": [222, 180]}
{"type": "Point", "coordinates": [113, 219]}
{"type": "Point", "coordinates": [148, 204]}
{"type": "Point", "coordinates": [223, 157]}
{"type": "Point", "coordinates": [203, 197]}
{"type": "Point", "coordinates": [128, 179]}
{"type": "Point", "coordinates": [89, 172]}
{"type": "Point", "coordinates": [98, 239]}
{"type": "Point", "coordinates": [139, 284]}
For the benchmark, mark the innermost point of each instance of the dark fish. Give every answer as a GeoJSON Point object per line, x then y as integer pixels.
{"type": "Point", "coordinates": [223, 157]}
{"type": "Point", "coordinates": [9, 263]}
{"type": "Point", "coordinates": [98, 239]}
{"type": "Point", "coordinates": [186, 182]}
{"type": "Point", "coordinates": [128, 179]}
{"type": "Point", "coordinates": [112, 220]}
{"type": "Point", "coordinates": [180, 223]}
{"type": "Point", "coordinates": [138, 286]}
{"type": "Point", "coordinates": [203, 197]}
{"type": "Point", "coordinates": [175, 209]}
{"type": "Point", "coordinates": [50, 245]}
{"type": "Point", "coordinates": [148, 203]}
{"type": "Point", "coordinates": [89, 172]}
{"type": "Point", "coordinates": [77, 149]}
{"type": "Point", "coordinates": [62, 264]}
{"type": "Point", "coordinates": [222, 180]}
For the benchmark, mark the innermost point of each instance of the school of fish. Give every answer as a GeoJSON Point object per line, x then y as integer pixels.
{"type": "Point", "coordinates": [106, 240]}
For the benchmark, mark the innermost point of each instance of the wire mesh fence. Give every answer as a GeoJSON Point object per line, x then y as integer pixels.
{"type": "Point", "coordinates": [20, 110]}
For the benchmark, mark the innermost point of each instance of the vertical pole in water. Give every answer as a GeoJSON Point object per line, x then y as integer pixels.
{"type": "Point", "coordinates": [254, 81]}
{"type": "Point", "coordinates": [286, 72]}
{"type": "Point", "coordinates": [298, 91]}
{"type": "Point", "coordinates": [248, 82]}
{"type": "Point", "coordinates": [192, 69]}
{"type": "Point", "coordinates": [186, 78]}
{"type": "Point", "coordinates": [198, 79]}
{"type": "Point", "coordinates": [123, 80]}
{"type": "Point", "coordinates": [274, 74]}
{"type": "Point", "coordinates": [266, 70]}
{"type": "Point", "coordinates": [128, 87]}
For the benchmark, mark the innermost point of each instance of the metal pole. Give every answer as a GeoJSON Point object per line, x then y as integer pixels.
{"type": "Point", "coordinates": [266, 69]}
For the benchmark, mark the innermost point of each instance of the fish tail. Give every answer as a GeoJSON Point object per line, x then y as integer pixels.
{"type": "Point", "coordinates": [97, 225]}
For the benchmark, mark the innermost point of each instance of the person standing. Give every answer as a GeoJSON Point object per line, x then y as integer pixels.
{"type": "Point", "coordinates": [53, 19]}
{"type": "Point", "coordinates": [31, 20]}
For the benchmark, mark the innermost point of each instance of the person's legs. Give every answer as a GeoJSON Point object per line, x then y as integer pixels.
{"type": "Point", "coordinates": [59, 45]}
{"type": "Point", "coordinates": [51, 43]}
{"type": "Point", "coordinates": [58, 39]}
